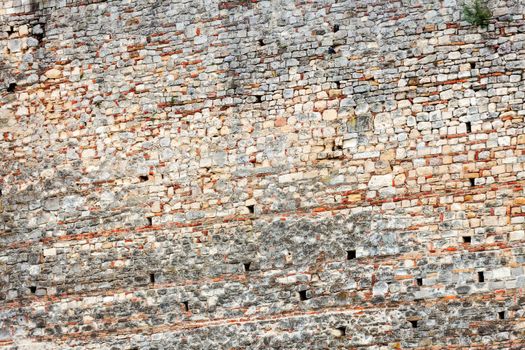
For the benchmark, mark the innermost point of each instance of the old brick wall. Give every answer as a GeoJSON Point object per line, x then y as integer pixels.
{"type": "Point", "coordinates": [252, 174]}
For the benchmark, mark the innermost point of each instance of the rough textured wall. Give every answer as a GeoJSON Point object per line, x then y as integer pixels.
{"type": "Point", "coordinates": [261, 175]}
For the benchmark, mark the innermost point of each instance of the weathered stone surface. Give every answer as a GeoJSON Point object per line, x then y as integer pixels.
{"type": "Point", "coordinates": [379, 181]}
{"type": "Point", "coordinates": [53, 73]}
{"type": "Point", "coordinates": [261, 175]}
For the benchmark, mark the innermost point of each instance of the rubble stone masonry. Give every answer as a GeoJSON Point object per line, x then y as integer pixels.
{"type": "Point", "coordinates": [261, 174]}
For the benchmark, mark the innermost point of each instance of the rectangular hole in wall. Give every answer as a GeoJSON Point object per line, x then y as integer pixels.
{"type": "Point", "coordinates": [151, 278]}
{"type": "Point", "coordinates": [340, 331]}
{"type": "Point", "coordinates": [143, 178]}
{"type": "Point", "coordinates": [469, 127]}
{"type": "Point", "coordinates": [186, 305]}
{"type": "Point", "coordinates": [481, 276]}
{"type": "Point", "coordinates": [472, 181]}
{"type": "Point", "coordinates": [467, 239]}
{"type": "Point", "coordinates": [501, 315]}
{"type": "Point", "coordinates": [303, 295]}
{"type": "Point", "coordinates": [39, 36]}
{"type": "Point", "coordinates": [251, 208]}
{"type": "Point", "coordinates": [351, 254]}
{"type": "Point", "coordinates": [150, 221]}
{"type": "Point", "coordinates": [247, 266]}
{"type": "Point", "coordinates": [413, 323]}
{"type": "Point", "coordinates": [32, 289]}
{"type": "Point", "coordinates": [473, 65]}
{"type": "Point", "coordinates": [419, 281]}
{"type": "Point", "coordinates": [11, 88]}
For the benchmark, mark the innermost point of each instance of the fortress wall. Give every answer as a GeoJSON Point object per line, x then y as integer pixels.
{"type": "Point", "coordinates": [261, 175]}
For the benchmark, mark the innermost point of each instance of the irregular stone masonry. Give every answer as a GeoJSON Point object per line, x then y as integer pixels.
{"type": "Point", "coordinates": [248, 174]}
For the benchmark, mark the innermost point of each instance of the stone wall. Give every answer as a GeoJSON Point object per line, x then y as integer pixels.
{"type": "Point", "coordinates": [250, 174]}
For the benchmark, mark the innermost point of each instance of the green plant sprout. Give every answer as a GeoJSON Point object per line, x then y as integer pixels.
{"type": "Point", "coordinates": [477, 12]}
